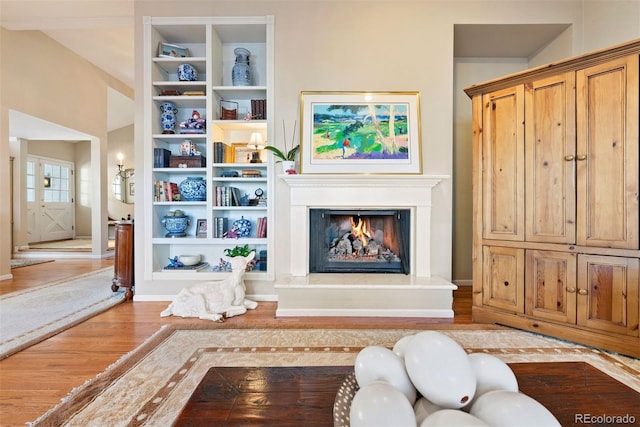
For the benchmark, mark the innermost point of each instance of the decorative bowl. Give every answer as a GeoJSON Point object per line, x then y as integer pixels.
{"type": "Point", "coordinates": [189, 259]}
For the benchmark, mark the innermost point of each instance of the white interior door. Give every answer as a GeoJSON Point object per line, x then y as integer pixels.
{"type": "Point", "coordinates": [50, 199]}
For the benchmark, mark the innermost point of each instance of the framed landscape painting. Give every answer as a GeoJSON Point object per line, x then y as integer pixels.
{"type": "Point", "coordinates": [360, 132]}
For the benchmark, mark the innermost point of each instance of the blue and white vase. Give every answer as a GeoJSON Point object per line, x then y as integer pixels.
{"type": "Point", "coordinates": [176, 225]}
{"type": "Point", "coordinates": [193, 189]}
{"type": "Point", "coordinates": [187, 73]}
{"type": "Point", "coordinates": [243, 227]}
{"type": "Point", "coordinates": [168, 112]}
{"type": "Point", "coordinates": [241, 71]}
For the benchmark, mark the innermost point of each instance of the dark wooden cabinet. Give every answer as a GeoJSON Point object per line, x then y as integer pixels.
{"type": "Point", "coordinates": [123, 264]}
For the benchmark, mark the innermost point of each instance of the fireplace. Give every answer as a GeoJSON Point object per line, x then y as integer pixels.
{"type": "Point", "coordinates": [359, 241]}
{"type": "Point", "coordinates": [315, 285]}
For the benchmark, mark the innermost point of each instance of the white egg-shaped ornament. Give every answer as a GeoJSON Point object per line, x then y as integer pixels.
{"type": "Point", "coordinates": [452, 417]}
{"type": "Point", "coordinates": [400, 346]}
{"type": "Point", "coordinates": [511, 408]}
{"type": "Point", "coordinates": [379, 363]}
{"type": "Point", "coordinates": [440, 369]}
{"type": "Point", "coordinates": [380, 404]}
{"type": "Point", "coordinates": [491, 374]}
{"type": "Point", "coordinates": [423, 408]}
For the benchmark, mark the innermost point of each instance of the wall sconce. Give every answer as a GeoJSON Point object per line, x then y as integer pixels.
{"type": "Point", "coordinates": [257, 144]}
{"type": "Point", "coordinates": [120, 164]}
{"type": "Point", "coordinates": [47, 182]}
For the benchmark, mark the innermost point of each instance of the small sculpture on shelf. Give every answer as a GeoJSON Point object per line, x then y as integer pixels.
{"type": "Point", "coordinates": [194, 124]}
{"type": "Point", "coordinates": [175, 262]}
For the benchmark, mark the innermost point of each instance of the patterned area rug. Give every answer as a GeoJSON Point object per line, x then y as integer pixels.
{"type": "Point", "coordinates": [17, 263]}
{"type": "Point", "coordinates": [151, 385]}
{"type": "Point", "coordinates": [35, 314]}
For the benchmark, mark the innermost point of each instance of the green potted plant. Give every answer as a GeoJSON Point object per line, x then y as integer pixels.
{"type": "Point", "coordinates": [287, 157]}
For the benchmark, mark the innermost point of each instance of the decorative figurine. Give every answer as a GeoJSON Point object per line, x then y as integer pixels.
{"type": "Point", "coordinates": [215, 300]}
{"type": "Point", "coordinates": [194, 124]}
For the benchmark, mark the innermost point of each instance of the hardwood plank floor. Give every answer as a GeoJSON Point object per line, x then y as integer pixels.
{"type": "Point", "coordinates": [35, 379]}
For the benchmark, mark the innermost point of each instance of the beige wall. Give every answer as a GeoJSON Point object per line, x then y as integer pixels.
{"type": "Point", "coordinates": [398, 45]}
{"type": "Point", "coordinates": [41, 78]}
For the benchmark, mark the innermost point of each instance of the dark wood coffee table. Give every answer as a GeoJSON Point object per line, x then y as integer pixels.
{"type": "Point", "coordinates": [304, 396]}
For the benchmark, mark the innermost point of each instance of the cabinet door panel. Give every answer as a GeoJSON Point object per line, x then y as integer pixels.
{"type": "Point", "coordinates": [503, 164]}
{"type": "Point", "coordinates": [549, 140]}
{"type": "Point", "coordinates": [503, 284]}
{"type": "Point", "coordinates": [550, 285]}
{"type": "Point", "coordinates": [607, 154]}
{"type": "Point", "coordinates": [608, 293]}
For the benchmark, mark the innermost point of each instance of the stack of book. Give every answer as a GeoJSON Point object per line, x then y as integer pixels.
{"type": "Point", "coordinates": [198, 267]}
{"type": "Point", "coordinates": [227, 196]}
{"type": "Point", "coordinates": [219, 152]}
{"type": "Point", "coordinates": [259, 109]}
{"type": "Point", "coordinates": [166, 191]}
{"type": "Point", "coordinates": [261, 232]}
{"type": "Point", "coordinates": [161, 157]}
{"type": "Point", "coordinates": [220, 225]}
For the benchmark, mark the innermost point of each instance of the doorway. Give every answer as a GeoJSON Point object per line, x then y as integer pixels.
{"type": "Point", "coordinates": [50, 199]}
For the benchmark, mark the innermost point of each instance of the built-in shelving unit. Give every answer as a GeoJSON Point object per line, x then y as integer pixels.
{"type": "Point", "coordinates": [210, 42]}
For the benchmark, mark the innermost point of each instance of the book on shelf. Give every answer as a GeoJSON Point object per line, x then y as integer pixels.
{"type": "Point", "coordinates": [161, 157]}
{"type": "Point", "coordinates": [198, 267]}
{"type": "Point", "coordinates": [220, 225]}
{"type": "Point", "coordinates": [261, 232]}
{"type": "Point", "coordinates": [219, 152]}
{"type": "Point", "coordinates": [166, 191]}
{"type": "Point", "coordinates": [228, 196]}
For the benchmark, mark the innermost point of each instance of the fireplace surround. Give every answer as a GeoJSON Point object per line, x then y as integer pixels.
{"type": "Point", "coordinates": [414, 294]}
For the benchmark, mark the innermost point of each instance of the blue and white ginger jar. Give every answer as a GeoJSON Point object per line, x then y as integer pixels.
{"type": "Point", "coordinates": [243, 227]}
{"type": "Point", "coordinates": [193, 189]}
{"type": "Point", "coordinates": [187, 73]}
{"type": "Point", "coordinates": [176, 225]}
{"type": "Point", "coordinates": [241, 71]}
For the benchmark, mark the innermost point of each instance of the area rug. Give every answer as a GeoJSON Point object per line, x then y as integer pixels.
{"type": "Point", "coordinates": [32, 315]}
{"type": "Point", "coordinates": [152, 384]}
{"type": "Point", "coordinates": [17, 263]}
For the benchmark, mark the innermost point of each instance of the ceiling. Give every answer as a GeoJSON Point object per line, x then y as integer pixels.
{"type": "Point", "coordinates": [102, 32]}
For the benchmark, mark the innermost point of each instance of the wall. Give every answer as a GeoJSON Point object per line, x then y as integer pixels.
{"type": "Point", "coordinates": [41, 78]}
{"type": "Point", "coordinates": [381, 45]}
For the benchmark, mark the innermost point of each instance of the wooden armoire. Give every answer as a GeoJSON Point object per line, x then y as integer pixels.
{"type": "Point", "coordinates": [555, 186]}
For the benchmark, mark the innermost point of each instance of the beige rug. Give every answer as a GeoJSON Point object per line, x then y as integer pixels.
{"type": "Point", "coordinates": [23, 262]}
{"type": "Point", "coordinates": [34, 314]}
{"type": "Point", "coordinates": [151, 385]}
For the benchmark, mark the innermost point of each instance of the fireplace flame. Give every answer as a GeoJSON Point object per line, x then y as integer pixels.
{"type": "Point", "coordinates": [360, 231]}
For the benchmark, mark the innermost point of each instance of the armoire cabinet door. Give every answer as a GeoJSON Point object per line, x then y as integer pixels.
{"type": "Point", "coordinates": [503, 282]}
{"type": "Point", "coordinates": [549, 153]}
{"type": "Point", "coordinates": [503, 164]}
{"type": "Point", "coordinates": [550, 285]}
{"type": "Point", "coordinates": [608, 293]}
{"type": "Point", "coordinates": [607, 154]}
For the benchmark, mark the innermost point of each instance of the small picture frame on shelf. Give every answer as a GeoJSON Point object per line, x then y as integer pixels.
{"type": "Point", "coordinates": [242, 153]}
{"type": "Point", "coordinates": [201, 228]}
{"type": "Point", "coordinates": [167, 50]}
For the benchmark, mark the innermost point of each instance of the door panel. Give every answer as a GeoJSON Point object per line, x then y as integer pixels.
{"type": "Point", "coordinates": [503, 284]}
{"type": "Point", "coordinates": [50, 200]}
{"type": "Point", "coordinates": [608, 293]}
{"type": "Point", "coordinates": [607, 154]}
{"type": "Point", "coordinates": [503, 164]}
{"type": "Point", "coordinates": [550, 285]}
{"type": "Point", "coordinates": [550, 153]}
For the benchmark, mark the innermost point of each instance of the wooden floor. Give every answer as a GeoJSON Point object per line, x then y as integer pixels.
{"type": "Point", "coordinates": [35, 379]}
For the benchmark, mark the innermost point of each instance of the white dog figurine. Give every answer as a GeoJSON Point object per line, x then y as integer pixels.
{"type": "Point", "coordinates": [215, 300]}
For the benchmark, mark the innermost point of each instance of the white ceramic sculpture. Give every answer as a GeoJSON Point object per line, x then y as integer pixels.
{"type": "Point", "coordinates": [215, 300]}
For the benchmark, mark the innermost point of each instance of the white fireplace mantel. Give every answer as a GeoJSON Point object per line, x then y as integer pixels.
{"type": "Point", "coordinates": [366, 192]}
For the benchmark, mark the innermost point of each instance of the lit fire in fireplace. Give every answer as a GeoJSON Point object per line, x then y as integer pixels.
{"type": "Point", "coordinates": [360, 231]}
